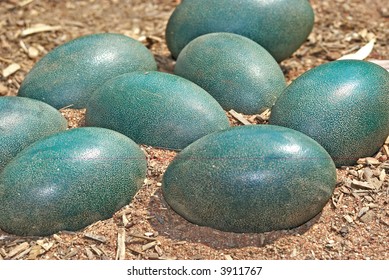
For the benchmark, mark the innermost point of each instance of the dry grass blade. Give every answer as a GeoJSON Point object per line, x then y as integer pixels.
{"type": "Point", "coordinates": [38, 29]}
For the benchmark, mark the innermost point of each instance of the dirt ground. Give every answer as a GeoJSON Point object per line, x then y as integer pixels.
{"type": "Point", "coordinates": [353, 225]}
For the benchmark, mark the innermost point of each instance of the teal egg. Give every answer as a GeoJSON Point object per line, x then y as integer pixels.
{"type": "Point", "coordinates": [68, 74]}
{"type": "Point", "coordinates": [343, 105]}
{"type": "Point", "coordinates": [236, 71]}
{"type": "Point", "coordinates": [156, 109]}
{"type": "Point", "coordinates": [24, 121]}
{"type": "Point", "coordinates": [253, 178]}
{"type": "Point", "coordinates": [281, 26]}
{"type": "Point", "coordinates": [69, 180]}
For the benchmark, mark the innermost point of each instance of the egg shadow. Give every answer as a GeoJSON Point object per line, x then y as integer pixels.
{"type": "Point", "coordinates": [171, 225]}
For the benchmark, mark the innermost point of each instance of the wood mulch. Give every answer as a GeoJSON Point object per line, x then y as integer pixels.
{"type": "Point", "coordinates": [353, 225]}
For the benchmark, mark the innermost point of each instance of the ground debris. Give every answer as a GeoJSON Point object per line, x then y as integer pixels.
{"type": "Point", "coordinates": [98, 238]}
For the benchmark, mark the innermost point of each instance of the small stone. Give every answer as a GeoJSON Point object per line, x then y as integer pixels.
{"type": "Point", "coordinates": [33, 52]}
{"type": "Point", "coordinates": [384, 12]}
{"type": "Point", "coordinates": [344, 231]}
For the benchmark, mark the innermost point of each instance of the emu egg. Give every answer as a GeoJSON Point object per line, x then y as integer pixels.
{"type": "Point", "coordinates": [68, 74]}
{"type": "Point", "coordinates": [156, 109]}
{"type": "Point", "coordinates": [253, 178]}
{"type": "Point", "coordinates": [69, 180]}
{"type": "Point", "coordinates": [343, 105]}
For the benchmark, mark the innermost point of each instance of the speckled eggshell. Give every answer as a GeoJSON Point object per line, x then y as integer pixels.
{"type": "Point", "coordinates": [69, 180]}
{"type": "Point", "coordinates": [156, 109]}
{"type": "Point", "coordinates": [236, 71]}
{"type": "Point", "coordinates": [343, 105]}
{"type": "Point", "coordinates": [68, 74]}
{"type": "Point", "coordinates": [254, 178]}
{"type": "Point", "coordinates": [281, 26]}
{"type": "Point", "coordinates": [24, 121]}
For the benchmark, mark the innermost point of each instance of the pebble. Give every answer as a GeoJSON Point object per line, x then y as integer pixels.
{"type": "Point", "coordinates": [33, 52]}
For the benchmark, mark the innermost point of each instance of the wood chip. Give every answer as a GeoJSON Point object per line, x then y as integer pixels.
{"type": "Point", "coordinates": [158, 250]}
{"type": "Point", "coordinates": [96, 250]}
{"type": "Point", "coordinates": [45, 245]}
{"type": "Point", "coordinates": [22, 254]}
{"type": "Point", "coordinates": [38, 29]}
{"type": "Point", "coordinates": [368, 217]}
{"type": "Point", "coordinates": [264, 116]}
{"type": "Point", "coordinates": [35, 252]}
{"type": "Point", "coordinates": [3, 252]}
{"type": "Point", "coordinates": [150, 245]}
{"type": "Point", "coordinates": [71, 254]}
{"type": "Point", "coordinates": [11, 69]}
{"type": "Point", "coordinates": [95, 237]}
{"type": "Point", "coordinates": [382, 175]}
{"type": "Point", "coordinates": [89, 254]}
{"type": "Point", "coordinates": [363, 211]}
{"type": "Point", "coordinates": [348, 218]}
{"type": "Point", "coordinates": [239, 117]}
{"type": "Point", "coordinates": [25, 3]}
{"type": "Point", "coordinates": [21, 247]}
{"type": "Point", "coordinates": [361, 185]}
{"type": "Point", "coordinates": [142, 237]}
{"type": "Point", "coordinates": [228, 257]}
{"type": "Point", "coordinates": [125, 221]}
{"type": "Point", "coordinates": [121, 244]}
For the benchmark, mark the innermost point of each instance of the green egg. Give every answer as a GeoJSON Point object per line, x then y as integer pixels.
{"type": "Point", "coordinates": [254, 178]}
{"type": "Point", "coordinates": [281, 26]}
{"type": "Point", "coordinates": [68, 74]}
{"type": "Point", "coordinates": [24, 121]}
{"type": "Point", "coordinates": [236, 71]}
{"type": "Point", "coordinates": [343, 105]}
{"type": "Point", "coordinates": [69, 180]}
{"type": "Point", "coordinates": [156, 109]}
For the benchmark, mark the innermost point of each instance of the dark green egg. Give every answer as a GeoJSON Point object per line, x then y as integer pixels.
{"type": "Point", "coordinates": [24, 121]}
{"type": "Point", "coordinates": [281, 26]}
{"type": "Point", "coordinates": [156, 109]}
{"type": "Point", "coordinates": [69, 180]}
{"type": "Point", "coordinates": [253, 178]}
{"type": "Point", "coordinates": [343, 105]}
{"type": "Point", "coordinates": [68, 74]}
{"type": "Point", "coordinates": [236, 71]}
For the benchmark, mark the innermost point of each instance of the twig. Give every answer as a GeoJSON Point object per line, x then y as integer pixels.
{"type": "Point", "coordinates": [142, 237]}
